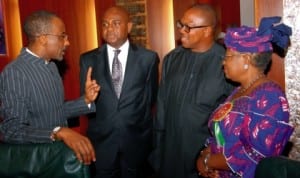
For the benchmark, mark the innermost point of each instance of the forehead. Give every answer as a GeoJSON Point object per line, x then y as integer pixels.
{"type": "Point", "coordinates": [115, 14]}
{"type": "Point", "coordinates": [230, 50]}
{"type": "Point", "coordinates": [193, 16]}
{"type": "Point", "coordinates": [57, 25]}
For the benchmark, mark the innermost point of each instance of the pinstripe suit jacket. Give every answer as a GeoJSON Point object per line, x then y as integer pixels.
{"type": "Point", "coordinates": [32, 96]}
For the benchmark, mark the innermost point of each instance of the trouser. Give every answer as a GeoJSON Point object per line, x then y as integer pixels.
{"type": "Point", "coordinates": [120, 168]}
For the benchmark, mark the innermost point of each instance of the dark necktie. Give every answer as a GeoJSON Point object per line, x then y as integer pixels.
{"type": "Point", "coordinates": [116, 73]}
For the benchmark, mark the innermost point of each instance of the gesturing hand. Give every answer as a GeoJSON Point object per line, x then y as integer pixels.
{"type": "Point", "coordinates": [80, 144]}
{"type": "Point", "coordinates": [91, 88]}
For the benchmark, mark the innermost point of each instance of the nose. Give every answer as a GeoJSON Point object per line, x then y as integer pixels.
{"type": "Point", "coordinates": [223, 61]}
{"type": "Point", "coordinates": [67, 42]}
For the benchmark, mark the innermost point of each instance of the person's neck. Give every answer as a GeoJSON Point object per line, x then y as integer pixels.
{"type": "Point", "coordinates": [250, 83]}
{"type": "Point", "coordinates": [38, 52]}
{"type": "Point", "coordinates": [203, 47]}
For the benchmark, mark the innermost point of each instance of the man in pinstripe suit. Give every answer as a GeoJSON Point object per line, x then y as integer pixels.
{"type": "Point", "coordinates": [32, 94]}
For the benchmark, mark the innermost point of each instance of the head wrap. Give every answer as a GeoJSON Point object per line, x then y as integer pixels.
{"type": "Point", "coordinates": [249, 39]}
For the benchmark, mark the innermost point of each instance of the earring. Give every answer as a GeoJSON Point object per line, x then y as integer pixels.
{"type": "Point", "coordinates": [246, 66]}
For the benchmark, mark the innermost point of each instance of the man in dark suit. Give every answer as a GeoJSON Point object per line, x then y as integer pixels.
{"type": "Point", "coordinates": [121, 130]}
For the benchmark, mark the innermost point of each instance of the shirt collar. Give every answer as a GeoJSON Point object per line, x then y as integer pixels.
{"type": "Point", "coordinates": [123, 48]}
{"type": "Point", "coordinates": [32, 53]}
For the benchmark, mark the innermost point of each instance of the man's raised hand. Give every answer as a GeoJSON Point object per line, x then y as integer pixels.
{"type": "Point", "coordinates": [91, 87]}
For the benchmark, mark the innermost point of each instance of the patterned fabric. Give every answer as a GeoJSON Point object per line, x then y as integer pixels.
{"type": "Point", "coordinates": [249, 39]}
{"type": "Point", "coordinates": [250, 128]}
{"type": "Point", "coordinates": [279, 31]}
{"type": "Point", "coordinates": [32, 96]}
{"type": "Point", "coordinates": [245, 39]}
{"type": "Point", "coordinates": [116, 73]}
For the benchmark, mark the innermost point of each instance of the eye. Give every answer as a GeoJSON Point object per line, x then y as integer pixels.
{"type": "Point", "coordinates": [65, 36]}
{"type": "Point", "coordinates": [116, 23]}
{"type": "Point", "coordinates": [105, 24]}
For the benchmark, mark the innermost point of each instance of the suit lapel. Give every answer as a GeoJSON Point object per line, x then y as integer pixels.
{"type": "Point", "coordinates": [103, 68]}
{"type": "Point", "coordinates": [129, 72]}
{"type": "Point", "coordinates": [103, 74]}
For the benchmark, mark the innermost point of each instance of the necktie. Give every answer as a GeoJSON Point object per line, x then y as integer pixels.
{"type": "Point", "coordinates": [116, 73]}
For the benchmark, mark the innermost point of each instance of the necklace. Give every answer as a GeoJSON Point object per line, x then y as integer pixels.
{"type": "Point", "coordinates": [242, 90]}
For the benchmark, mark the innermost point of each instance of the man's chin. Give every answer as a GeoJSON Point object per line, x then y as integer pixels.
{"type": "Point", "coordinates": [111, 40]}
{"type": "Point", "coordinates": [58, 58]}
{"type": "Point", "coordinates": [184, 43]}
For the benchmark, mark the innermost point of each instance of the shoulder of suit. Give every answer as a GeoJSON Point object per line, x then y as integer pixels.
{"type": "Point", "coordinates": [219, 48]}
{"type": "Point", "coordinates": [139, 48]}
{"type": "Point", "coordinates": [94, 51]}
{"type": "Point", "coordinates": [174, 52]}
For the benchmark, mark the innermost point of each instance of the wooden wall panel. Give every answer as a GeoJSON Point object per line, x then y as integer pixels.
{"type": "Point", "coordinates": [265, 8]}
{"type": "Point", "coordinates": [268, 8]}
{"type": "Point", "coordinates": [12, 26]}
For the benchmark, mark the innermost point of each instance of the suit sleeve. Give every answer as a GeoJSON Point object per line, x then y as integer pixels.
{"type": "Point", "coordinates": [153, 80]}
{"type": "Point", "coordinates": [159, 124]}
{"type": "Point", "coordinates": [77, 107]}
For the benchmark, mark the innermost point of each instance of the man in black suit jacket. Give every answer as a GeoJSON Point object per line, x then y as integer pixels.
{"type": "Point", "coordinates": [121, 130]}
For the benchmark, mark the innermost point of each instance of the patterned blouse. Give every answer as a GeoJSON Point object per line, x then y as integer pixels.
{"type": "Point", "coordinates": [249, 128]}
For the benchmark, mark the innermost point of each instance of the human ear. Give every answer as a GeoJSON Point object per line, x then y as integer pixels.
{"type": "Point", "coordinates": [129, 26]}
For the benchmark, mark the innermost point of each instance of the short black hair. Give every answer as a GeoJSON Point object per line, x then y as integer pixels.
{"type": "Point", "coordinates": [38, 23]}
{"type": "Point", "coordinates": [262, 60]}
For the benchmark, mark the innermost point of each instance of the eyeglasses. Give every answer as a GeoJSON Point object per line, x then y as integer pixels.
{"type": "Point", "coordinates": [187, 28]}
{"type": "Point", "coordinates": [62, 36]}
{"type": "Point", "coordinates": [232, 55]}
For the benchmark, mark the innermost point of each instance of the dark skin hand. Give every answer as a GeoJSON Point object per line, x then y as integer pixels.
{"type": "Point", "coordinates": [91, 88]}
{"type": "Point", "coordinates": [200, 166]}
{"type": "Point", "coordinates": [215, 162]}
{"type": "Point", "coordinates": [80, 144]}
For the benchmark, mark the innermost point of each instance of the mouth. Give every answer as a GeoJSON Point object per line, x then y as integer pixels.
{"type": "Point", "coordinates": [111, 35]}
{"type": "Point", "coordinates": [184, 39]}
{"type": "Point", "coordinates": [63, 52]}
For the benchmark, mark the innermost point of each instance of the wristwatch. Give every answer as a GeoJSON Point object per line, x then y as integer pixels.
{"type": "Point", "coordinates": [54, 132]}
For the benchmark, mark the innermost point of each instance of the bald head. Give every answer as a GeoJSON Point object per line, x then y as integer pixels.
{"type": "Point", "coordinates": [206, 12]}
{"type": "Point", "coordinates": [121, 11]}
{"type": "Point", "coordinates": [198, 27]}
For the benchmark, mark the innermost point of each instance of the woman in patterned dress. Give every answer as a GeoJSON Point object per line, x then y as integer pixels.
{"type": "Point", "coordinates": [253, 122]}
